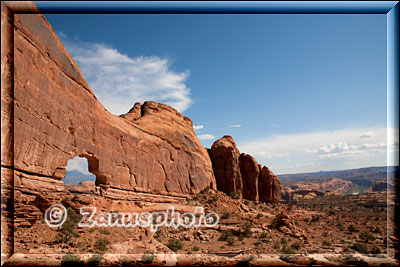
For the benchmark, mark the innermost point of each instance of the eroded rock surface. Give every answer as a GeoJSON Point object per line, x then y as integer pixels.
{"type": "Point", "coordinates": [225, 160]}
{"type": "Point", "coordinates": [250, 172]}
{"type": "Point", "coordinates": [235, 172]}
{"type": "Point", "coordinates": [153, 148]}
{"type": "Point", "coordinates": [269, 186]}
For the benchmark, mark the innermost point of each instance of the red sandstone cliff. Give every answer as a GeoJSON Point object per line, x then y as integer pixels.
{"type": "Point", "coordinates": [235, 172]}
{"type": "Point", "coordinates": [57, 117]}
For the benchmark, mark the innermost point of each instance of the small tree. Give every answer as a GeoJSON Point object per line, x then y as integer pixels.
{"type": "Point", "coordinates": [360, 248]}
{"type": "Point", "coordinates": [174, 244]}
{"type": "Point", "coordinates": [101, 244]}
{"type": "Point", "coordinates": [366, 236]}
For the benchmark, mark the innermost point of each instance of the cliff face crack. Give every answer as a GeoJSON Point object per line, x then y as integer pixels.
{"type": "Point", "coordinates": [26, 172]}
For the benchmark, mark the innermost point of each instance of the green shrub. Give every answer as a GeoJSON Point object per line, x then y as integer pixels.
{"type": "Point", "coordinates": [366, 236]}
{"type": "Point", "coordinates": [351, 260]}
{"type": "Point", "coordinates": [340, 226]}
{"type": "Point", "coordinates": [375, 250]}
{"type": "Point", "coordinates": [234, 195]}
{"type": "Point", "coordinates": [225, 215]}
{"type": "Point", "coordinates": [263, 235]}
{"type": "Point", "coordinates": [246, 202]}
{"type": "Point", "coordinates": [286, 250]}
{"type": "Point", "coordinates": [295, 245]}
{"type": "Point", "coordinates": [196, 248]}
{"type": "Point", "coordinates": [360, 248]}
{"type": "Point", "coordinates": [352, 229]}
{"type": "Point", "coordinates": [257, 243]}
{"type": "Point", "coordinates": [326, 243]}
{"type": "Point", "coordinates": [377, 230]}
{"type": "Point", "coordinates": [101, 244]}
{"type": "Point", "coordinates": [147, 257]}
{"type": "Point", "coordinates": [259, 215]}
{"type": "Point", "coordinates": [247, 229]}
{"type": "Point", "coordinates": [95, 260]}
{"type": "Point", "coordinates": [124, 261]}
{"type": "Point", "coordinates": [174, 244]}
{"type": "Point", "coordinates": [67, 230]}
{"type": "Point", "coordinates": [104, 232]}
{"type": "Point", "coordinates": [225, 235]}
{"type": "Point", "coordinates": [315, 218]}
{"type": "Point", "coordinates": [214, 198]}
{"type": "Point", "coordinates": [71, 260]}
{"type": "Point", "coordinates": [205, 190]}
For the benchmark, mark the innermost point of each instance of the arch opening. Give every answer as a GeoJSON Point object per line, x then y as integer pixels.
{"type": "Point", "coordinates": [78, 170]}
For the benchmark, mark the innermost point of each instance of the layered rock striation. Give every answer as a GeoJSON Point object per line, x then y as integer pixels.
{"type": "Point", "coordinates": [240, 173]}
{"type": "Point", "coordinates": [152, 149]}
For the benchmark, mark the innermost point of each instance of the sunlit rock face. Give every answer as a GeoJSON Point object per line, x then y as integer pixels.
{"type": "Point", "coordinates": [153, 148]}
{"type": "Point", "coordinates": [235, 172]}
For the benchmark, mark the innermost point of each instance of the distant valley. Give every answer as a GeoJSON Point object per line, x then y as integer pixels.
{"type": "Point", "coordinates": [352, 181]}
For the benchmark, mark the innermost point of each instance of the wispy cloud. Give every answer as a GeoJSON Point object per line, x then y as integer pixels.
{"type": "Point", "coordinates": [332, 148]}
{"type": "Point", "coordinates": [198, 127]}
{"type": "Point", "coordinates": [206, 136]}
{"type": "Point", "coordinates": [119, 80]}
{"type": "Point", "coordinates": [341, 149]}
{"type": "Point", "coordinates": [235, 126]}
{"type": "Point", "coordinates": [328, 150]}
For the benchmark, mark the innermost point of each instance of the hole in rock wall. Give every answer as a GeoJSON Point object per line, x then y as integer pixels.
{"type": "Point", "coordinates": [78, 171]}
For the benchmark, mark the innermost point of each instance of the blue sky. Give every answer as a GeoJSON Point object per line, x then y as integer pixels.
{"type": "Point", "coordinates": [299, 92]}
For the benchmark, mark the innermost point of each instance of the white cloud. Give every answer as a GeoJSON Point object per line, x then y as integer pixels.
{"type": "Point", "coordinates": [366, 135]}
{"type": "Point", "coordinates": [333, 148]}
{"type": "Point", "coordinates": [341, 149]}
{"type": "Point", "coordinates": [119, 80]}
{"type": "Point", "coordinates": [235, 126]}
{"type": "Point", "coordinates": [206, 136]}
{"type": "Point", "coordinates": [198, 127]}
{"type": "Point", "coordinates": [327, 150]}
{"type": "Point", "coordinates": [78, 164]}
